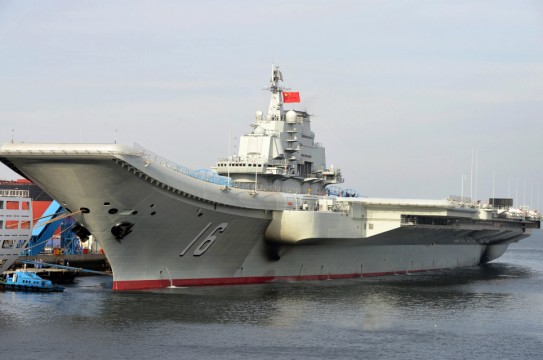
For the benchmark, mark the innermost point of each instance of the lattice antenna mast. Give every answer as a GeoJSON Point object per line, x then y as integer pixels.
{"type": "Point", "coordinates": [275, 111]}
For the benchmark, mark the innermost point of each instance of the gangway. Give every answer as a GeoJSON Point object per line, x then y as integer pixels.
{"type": "Point", "coordinates": [45, 229]}
{"type": "Point", "coordinates": [68, 239]}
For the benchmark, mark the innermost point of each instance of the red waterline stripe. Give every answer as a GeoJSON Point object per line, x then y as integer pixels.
{"type": "Point", "coordinates": [156, 284]}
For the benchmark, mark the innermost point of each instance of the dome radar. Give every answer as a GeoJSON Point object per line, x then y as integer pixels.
{"type": "Point", "coordinates": [260, 131]}
{"type": "Point", "coordinates": [291, 116]}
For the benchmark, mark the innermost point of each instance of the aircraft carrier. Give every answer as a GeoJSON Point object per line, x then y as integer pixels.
{"type": "Point", "coordinates": [266, 213]}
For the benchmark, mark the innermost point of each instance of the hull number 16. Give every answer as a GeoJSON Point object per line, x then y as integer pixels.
{"type": "Point", "coordinates": [207, 242]}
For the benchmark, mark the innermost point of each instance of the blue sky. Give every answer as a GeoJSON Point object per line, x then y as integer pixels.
{"type": "Point", "coordinates": [402, 91]}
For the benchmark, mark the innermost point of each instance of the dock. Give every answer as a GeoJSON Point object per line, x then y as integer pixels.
{"type": "Point", "coordinates": [97, 262]}
{"type": "Point", "coordinates": [68, 267]}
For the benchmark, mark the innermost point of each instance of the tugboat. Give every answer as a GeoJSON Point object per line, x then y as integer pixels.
{"type": "Point", "coordinates": [28, 281]}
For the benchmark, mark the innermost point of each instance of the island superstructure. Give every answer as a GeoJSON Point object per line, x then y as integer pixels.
{"type": "Point", "coordinates": [281, 150]}
{"type": "Point", "coordinates": [263, 214]}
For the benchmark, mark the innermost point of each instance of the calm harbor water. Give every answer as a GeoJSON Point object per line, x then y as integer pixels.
{"type": "Point", "coordinates": [490, 312]}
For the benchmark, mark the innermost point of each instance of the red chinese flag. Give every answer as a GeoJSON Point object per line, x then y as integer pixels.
{"type": "Point", "coordinates": [291, 97]}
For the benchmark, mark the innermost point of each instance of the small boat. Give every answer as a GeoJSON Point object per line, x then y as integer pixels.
{"type": "Point", "coordinates": [28, 281]}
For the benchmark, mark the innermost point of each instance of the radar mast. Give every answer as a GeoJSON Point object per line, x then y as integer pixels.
{"type": "Point", "coordinates": [275, 111]}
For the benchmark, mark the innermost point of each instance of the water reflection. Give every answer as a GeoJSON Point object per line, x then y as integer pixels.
{"type": "Point", "coordinates": [367, 303]}
{"type": "Point", "coordinates": [373, 300]}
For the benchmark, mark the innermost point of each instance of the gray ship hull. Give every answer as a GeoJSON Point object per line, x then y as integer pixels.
{"type": "Point", "coordinates": [159, 227]}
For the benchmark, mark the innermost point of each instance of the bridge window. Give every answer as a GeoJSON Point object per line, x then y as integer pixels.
{"type": "Point", "coordinates": [12, 224]}
{"type": "Point", "coordinates": [12, 205]}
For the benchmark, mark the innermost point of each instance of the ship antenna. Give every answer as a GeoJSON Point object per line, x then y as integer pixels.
{"type": "Point", "coordinates": [462, 191]}
{"type": "Point", "coordinates": [275, 111]}
{"type": "Point", "coordinates": [493, 187]}
{"type": "Point", "coordinates": [476, 169]}
{"type": "Point", "coordinates": [471, 178]}
{"type": "Point", "coordinates": [537, 195]}
{"type": "Point", "coordinates": [228, 162]}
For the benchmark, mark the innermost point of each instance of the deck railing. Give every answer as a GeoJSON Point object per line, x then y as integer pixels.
{"type": "Point", "coordinates": [15, 193]}
{"type": "Point", "coordinates": [209, 175]}
{"type": "Point", "coordinates": [203, 174]}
